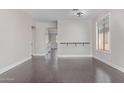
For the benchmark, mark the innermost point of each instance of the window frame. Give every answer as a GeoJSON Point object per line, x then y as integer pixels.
{"type": "Point", "coordinates": [97, 34]}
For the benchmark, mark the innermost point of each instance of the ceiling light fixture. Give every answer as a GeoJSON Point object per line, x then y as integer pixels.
{"type": "Point", "coordinates": [79, 13]}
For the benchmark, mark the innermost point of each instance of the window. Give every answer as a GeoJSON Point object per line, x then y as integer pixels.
{"type": "Point", "coordinates": [103, 34]}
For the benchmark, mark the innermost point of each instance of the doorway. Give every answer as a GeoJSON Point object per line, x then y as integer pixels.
{"type": "Point", "coordinates": [52, 47]}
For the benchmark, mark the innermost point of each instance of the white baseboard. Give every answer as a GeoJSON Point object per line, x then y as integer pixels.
{"type": "Point", "coordinates": [102, 60]}
{"type": "Point", "coordinates": [74, 56]}
{"type": "Point", "coordinates": [38, 54]}
{"type": "Point", "coordinates": [14, 65]}
{"type": "Point", "coordinates": [110, 64]}
{"type": "Point", "coordinates": [65, 56]}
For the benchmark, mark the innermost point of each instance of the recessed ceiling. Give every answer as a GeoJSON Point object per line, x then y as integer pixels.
{"type": "Point", "coordinates": [57, 14]}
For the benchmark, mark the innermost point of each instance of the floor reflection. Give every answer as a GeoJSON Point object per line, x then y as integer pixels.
{"type": "Point", "coordinates": [68, 70]}
{"type": "Point", "coordinates": [75, 70]}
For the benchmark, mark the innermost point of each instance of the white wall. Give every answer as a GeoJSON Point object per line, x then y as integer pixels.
{"type": "Point", "coordinates": [15, 37]}
{"type": "Point", "coordinates": [41, 36]}
{"type": "Point", "coordinates": [118, 38]}
{"type": "Point", "coordinates": [74, 31]}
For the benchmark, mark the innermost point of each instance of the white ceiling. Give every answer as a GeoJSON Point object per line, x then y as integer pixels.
{"type": "Point", "coordinates": [56, 14]}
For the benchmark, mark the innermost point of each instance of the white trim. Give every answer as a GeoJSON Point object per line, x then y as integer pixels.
{"type": "Point", "coordinates": [39, 54]}
{"type": "Point", "coordinates": [14, 65]}
{"type": "Point", "coordinates": [110, 64]}
{"type": "Point", "coordinates": [104, 61]}
{"type": "Point", "coordinates": [66, 56]}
